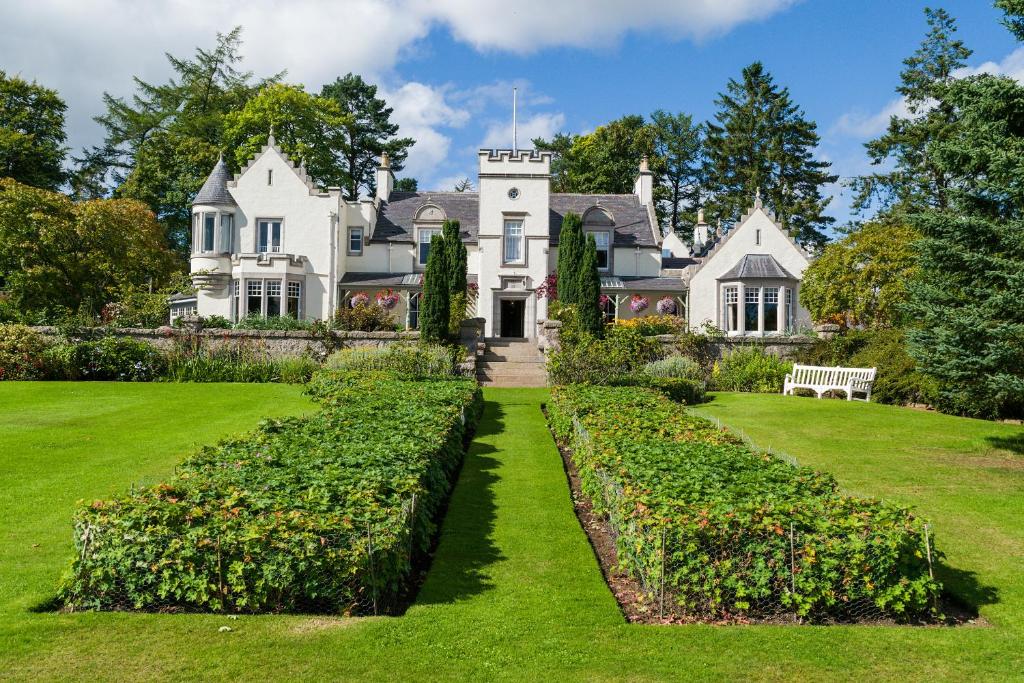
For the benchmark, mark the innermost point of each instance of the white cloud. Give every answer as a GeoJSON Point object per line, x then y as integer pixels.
{"type": "Point", "coordinates": [1011, 65]}
{"type": "Point", "coordinates": [421, 111]}
{"type": "Point", "coordinates": [544, 125]}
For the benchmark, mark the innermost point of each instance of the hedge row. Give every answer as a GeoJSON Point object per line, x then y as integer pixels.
{"type": "Point", "coordinates": [311, 513]}
{"type": "Point", "coordinates": [745, 533]}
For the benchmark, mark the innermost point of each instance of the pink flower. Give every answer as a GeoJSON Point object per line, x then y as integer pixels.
{"type": "Point", "coordinates": [359, 299]}
{"type": "Point", "coordinates": [638, 303]}
{"type": "Point", "coordinates": [387, 299]}
{"type": "Point", "coordinates": [666, 306]}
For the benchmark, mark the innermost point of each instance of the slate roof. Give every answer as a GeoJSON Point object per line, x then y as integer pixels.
{"type": "Point", "coordinates": [395, 218]}
{"type": "Point", "coordinates": [753, 266]}
{"type": "Point", "coordinates": [677, 262]}
{"type": "Point", "coordinates": [392, 280]}
{"type": "Point", "coordinates": [657, 284]}
{"type": "Point", "coordinates": [214, 191]}
{"type": "Point", "coordinates": [632, 220]}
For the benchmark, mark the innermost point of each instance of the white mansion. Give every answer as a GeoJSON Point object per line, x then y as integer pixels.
{"type": "Point", "coordinates": [269, 242]}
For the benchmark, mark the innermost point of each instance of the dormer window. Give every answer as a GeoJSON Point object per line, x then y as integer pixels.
{"type": "Point", "coordinates": [425, 235]}
{"type": "Point", "coordinates": [268, 236]}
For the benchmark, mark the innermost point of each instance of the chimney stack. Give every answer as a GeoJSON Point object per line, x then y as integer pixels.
{"type": "Point", "coordinates": [643, 187]}
{"type": "Point", "coordinates": [701, 235]}
{"type": "Point", "coordinates": [385, 178]}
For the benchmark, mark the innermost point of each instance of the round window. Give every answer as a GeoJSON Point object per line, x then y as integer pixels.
{"type": "Point", "coordinates": [513, 193]}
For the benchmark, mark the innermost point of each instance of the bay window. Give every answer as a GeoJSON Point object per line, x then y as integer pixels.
{"type": "Point", "coordinates": [209, 228]}
{"type": "Point", "coordinates": [513, 237]}
{"type": "Point", "coordinates": [273, 298]}
{"type": "Point", "coordinates": [254, 297]}
{"type": "Point", "coordinates": [732, 305]}
{"type": "Point", "coordinates": [227, 230]}
{"type": "Point", "coordinates": [771, 309]}
{"type": "Point", "coordinates": [295, 299]}
{"type": "Point", "coordinates": [235, 299]}
{"type": "Point", "coordinates": [751, 299]}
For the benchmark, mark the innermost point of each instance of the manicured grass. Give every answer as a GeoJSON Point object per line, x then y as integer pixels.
{"type": "Point", "coordinates": [515, 592]}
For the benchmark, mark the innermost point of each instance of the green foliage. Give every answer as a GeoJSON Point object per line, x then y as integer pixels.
{"type": "Point", "coordinates": [59, 254]}
{"type": "Point", "coordinates": [589, 291]}
{"type": "Point", "coordinates": [749, 368]}
{"type": "Point", "coordinates": [195, 359]}
{"type": "Point", "coordinates": [912, 183]}
{"type": "Point", "coordinates": [762, 140]}
{"type": "Point", "coordinates": [585, 359]}
{"type": "Point", "coordinates": [137, 308]}
{"type": "Point", "coordinates": [1014, 16]}
{"type": "Point", "coordinates": [456, 258]}
{"type": "Point", "coordinates": [308, 514]}
{"type": "Point", "coordinates": [436, 301]}
{"type": "Point", "coordinates": [408, 362]}
{"type": "Point", "coordinates": [255, 321]}
{"type": "Point", "coordinates": [109, 358]}
{"type": "Point", "coordinates": [726, 512]}
{"type": "Point", "coordinates": [682, 367]}
{"type": "Point", "coordinates": [653, 325]}
{"type": "Point", "coordinates": [679, 143]}
{"type": "Point", "coordinates": [304, 126]}
{"type": "Point", "coordinates": [21, 353]}
{"type": "Point", "coordinates": [861, 279]}
{"type": "Point", "coordinates": [32, 133]}
{"type": "Point", "coordinates": [217, 322]}
{"type": "Point", "coordinates": [368, 317]}
{"type": "Point", "coordinates": [570, 258]}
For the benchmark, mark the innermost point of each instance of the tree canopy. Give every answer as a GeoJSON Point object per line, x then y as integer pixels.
{"type": "Point", "coordinates": [32, 133]}
{"type": "Point", "coordinates": [679, 149]}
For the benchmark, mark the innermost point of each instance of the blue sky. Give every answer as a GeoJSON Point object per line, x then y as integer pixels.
{"type": "Point", "coordinates": [448, 66]}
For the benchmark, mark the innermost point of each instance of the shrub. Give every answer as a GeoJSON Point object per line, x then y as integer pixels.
{"type": "Point", "coordinates": [679, 389]}
{"type": "Point", "coordinates": [363, 318]}
{"type": "Point", "coordinates": [109, 358]}
{"type": "Point", "coordinates": [412, 362]}
{"type": "Point", "coordinates": [21, 353]}
{"type": "Point", "coordinates": [682, 367]}
{"type": "Point", "coordinates": [584, 359]}
{"type": "Point", "coordinates": [274, 322]}
{"type": "Point", "coordinates": [217, 322]}
{"type": "Point", "coordinates": [750, 369]}
{"type": "Point", "coordinates": [194, 360]}
{"type": "Point", "coordinates": [324, 513]}
{"type": "Point", "coordinates": [745, 533]}
{"type": "Point", "coordinates": [137, 308]}
{"type": "Point", "coordinates": [652, 325]}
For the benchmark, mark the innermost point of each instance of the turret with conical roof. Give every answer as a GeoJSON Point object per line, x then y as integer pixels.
{"type": "Point", "coordinates": [214, 191]}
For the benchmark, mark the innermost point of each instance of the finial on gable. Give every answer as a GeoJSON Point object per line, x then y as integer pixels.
{"type": "Point", "coordinates": [757, 199]}
{"type": "Point", "coordinates": [271, 140]}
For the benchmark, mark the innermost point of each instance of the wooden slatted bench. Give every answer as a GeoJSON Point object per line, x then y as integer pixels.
{"type": "Point", "coordinates": [820, 379]}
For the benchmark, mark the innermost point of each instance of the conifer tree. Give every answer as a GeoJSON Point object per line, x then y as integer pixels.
{"type": "Point", "coordinates": [763, 141]}
{"type": "Point", "coordinates": [589, 293]}
{"type": "Point", "coordinates": [570, 257]}
{"type": "Point", "coordinates": [436, 303]}
{"type": "Point", "coordinates": [457, 258]}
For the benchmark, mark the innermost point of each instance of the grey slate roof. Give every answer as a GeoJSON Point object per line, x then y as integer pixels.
{"type": "Point", "coordinates": [393, 280]}
{"type": "Point", "coordinates": [677, 262]}
{"type": "Point", "coordinates": [632, 220]}
{"type": "Point", "coordinates": [214, 191]}
{"type": "Point", "coordinates": [657, 284]}
{"type": "Point", "coordinates": [754, 266]}
{"type": "Point", "coordinates": [395, 218]}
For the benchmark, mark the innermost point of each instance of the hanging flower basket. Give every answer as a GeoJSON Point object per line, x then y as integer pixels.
{"type": "Point", "coordinates": [387, 299]}
{"type": "Point", "coordinates": [359, 299]}
{"type": "Point", "coordinates": [666, 306]}
{"type": "Point", "coordinates": [603, 300]}
{"type": "Point", "coordinates": [638, 303]}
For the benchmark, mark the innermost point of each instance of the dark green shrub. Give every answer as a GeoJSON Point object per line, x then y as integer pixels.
{"type": "Point", "coordinates": [745, 533]}
{"type": "Point", "coordinates": [749, 368]}
{"type": "Point", "coordinates": [21, 353]}
{"type": "Point", "coordinates": [679, 389]}
{"type": "Point", "coordinates": [436, 299]}
{"type": "Point", "coordinates": [306, 514]}
{"type": "Point", "coordinates": [363, 318]}
{"type": "Point", "coordinates": [110, 358]}
{"type": "Point", "coordinates": [217, 322]}
{"type": "Point", "coordinates": [583, 359]}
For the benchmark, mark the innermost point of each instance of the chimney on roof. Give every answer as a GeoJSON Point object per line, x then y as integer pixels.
{"type": "Point", "coordinates": [385, 178]}
{"type": "Point", "coordinates": [643, 187]}
{"type": "Point", "coordinates": [701, 234]}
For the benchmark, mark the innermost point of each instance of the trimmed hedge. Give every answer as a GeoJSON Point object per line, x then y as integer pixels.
{"type": "Point", "coordinates": [305, 514]}
{"type": "Point", "coordinates": [726, 514]}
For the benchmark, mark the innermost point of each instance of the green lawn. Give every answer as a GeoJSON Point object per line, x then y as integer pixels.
{"type": "Point", "coordinates": [514, 591]}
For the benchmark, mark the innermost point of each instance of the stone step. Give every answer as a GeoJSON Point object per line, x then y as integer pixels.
{"type": "Point", "coordinates": [513, 379]}
{"type": "Point", "coordinates": [503, 356]}
{"type": "Point", "coordinates": [512, 364]}
{"type": "Point", "coordinates": [514, 384]}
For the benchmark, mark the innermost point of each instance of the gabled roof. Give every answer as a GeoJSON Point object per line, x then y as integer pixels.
{"type": "Point", "coordinates": [633, 222]}
{"type": "Point", "coordinates": [753, 266]}
{"type": "Point", "coordinates": [298, 169]}
{"type": "Point", "coordinates": [214, 191]}
{"type": "Point", "coordinates": [395, 216]}
{"type": "Point", "coordinates": [708, 253]}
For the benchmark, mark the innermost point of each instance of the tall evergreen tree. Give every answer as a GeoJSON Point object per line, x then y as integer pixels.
{"type": "Point", "coordinates": [914, 183]}
{"type": "Point", "coordinates": [434, 317]}
{"type": "Point", "coordinates": [589, 295]}
{"type": "Point", "coordinates": [678, 142]}
{"type": "Point", "coordinates": [1014, 19]}
{"type": "Point", "coordinates": [32, 133]}
{"type": "Point", "coordinates": [456, 257]}
{"type": "Point", "coordinates": [570, 258]}
{"type": "Point", "coordinates": [406, 185]}
{"type": "Point", "coordinates": [763, 141]}
{"type": "Point", "coordinates": [368, 133]}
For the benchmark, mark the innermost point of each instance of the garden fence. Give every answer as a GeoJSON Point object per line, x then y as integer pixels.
{"type": "Point", "coordinates": [697, 581]}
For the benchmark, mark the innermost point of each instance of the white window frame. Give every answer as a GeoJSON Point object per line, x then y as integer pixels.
{"type": "Point", "coordinates": [209, 217]}
{"type": "Point", "coordinates": [607, 248]}
{"type": "Point", "coordinates": [770, 295]}
{"type": "Point", "coordinates": [236, 298]}
{"type": "Point", "coordinates": [297, 286]}
{"type": "Point", "coordinates": [731, 297]}
{"type": "Point", "coordinates": [355, 236]}
{"type": "Point", "coordinates": [420, 234]}
{"type": "Point", "coordinates": [250, 293]}
{"type": "Point", "coordinates": [270, 236]}
{"type": "Point", "coordinates": [506, 241]}
{"type": "Point", "coordinates": [226, 225]}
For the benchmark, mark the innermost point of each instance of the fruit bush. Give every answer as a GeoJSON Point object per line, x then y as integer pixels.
{"type": "Point", "coordinates": [310, 513]}
{"type": "Point", "coordinates": [746, 534]}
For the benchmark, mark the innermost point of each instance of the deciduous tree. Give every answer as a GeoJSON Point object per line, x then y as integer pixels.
{"type": "Point", "coordinates": [32, 133]}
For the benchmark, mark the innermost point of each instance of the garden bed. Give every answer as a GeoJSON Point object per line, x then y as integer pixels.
{"type": "Point", "coordinates": [706, 529]}
{"type": "Point", "coordinates": [328, 513]}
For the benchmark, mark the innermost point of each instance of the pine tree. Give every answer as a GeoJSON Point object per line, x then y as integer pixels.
{"type": "Point", "coordinates": [570, 257]}
{"type": "Point", "coordinates": [434, 317]}
{"type": "Point", "coordinates": [361, 142]}
{"type": "Point", "coordinates": [679, 143]}
{"type": "Point", "coordinates": [589, 293]}
{"type": "Point", "coordinates": [914, 183]}
{"type": "Point", "coordinates": [763, 141]}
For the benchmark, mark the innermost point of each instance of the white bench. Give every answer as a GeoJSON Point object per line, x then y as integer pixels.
{"type": "Point", "coordinates": [819, 380]}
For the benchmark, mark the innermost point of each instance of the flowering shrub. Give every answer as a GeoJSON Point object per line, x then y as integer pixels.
{"type": "Point", "coordinates": [603, 300]}
{"type": "Point", "coordinates": [638, 303]}
{"type": "Point", "coordinates": [306, 514]}
{"type": "Point", "coordinates": [359, 299]}
{"type": "Point", "coordinates": [386, 299]}
{"type": "Point", "coordinates": [745, 533]}
{"type": "Point", "coordinates": [119, 359]}
{"type": "Point", "coordinates": [651, 325]}
{"type": "Point", "coordinates": [666, 306]}
{"type": "Point", "coordinates": [549, 288]}
{"type": "Point", "coordinates": [21, 353]}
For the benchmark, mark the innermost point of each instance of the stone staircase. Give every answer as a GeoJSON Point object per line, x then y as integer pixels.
{"type": "Point", "coordinates": [511, 363]}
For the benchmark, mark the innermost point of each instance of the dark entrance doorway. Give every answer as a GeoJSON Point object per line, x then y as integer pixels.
{"type": "Point", "coordinates": [513, 316]}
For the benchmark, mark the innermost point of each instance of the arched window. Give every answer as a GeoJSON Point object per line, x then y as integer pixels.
{"type": "Point", "coordinates": [427, 223]}
{"type": "Point", "coordinates": [599, 223]}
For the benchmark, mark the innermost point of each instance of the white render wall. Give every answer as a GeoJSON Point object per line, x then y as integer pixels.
{"type": "Point", "coordinates": [705, 302]}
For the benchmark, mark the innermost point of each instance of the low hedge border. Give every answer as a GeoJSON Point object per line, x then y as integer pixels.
{"type": "Point", "coordinates": [322, 513]}
{"type": "Point", "coordinates": [745, 534]}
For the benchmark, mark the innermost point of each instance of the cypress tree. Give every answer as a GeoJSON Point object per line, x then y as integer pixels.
{"type": "Point", "coordinates": [457, 259]}
{"type": "Point", "coordinates": [589, 292]}
{"type": "Point", "coordinates": [570, 257]}
{"type": "Point", "coordinates": [435, 314]}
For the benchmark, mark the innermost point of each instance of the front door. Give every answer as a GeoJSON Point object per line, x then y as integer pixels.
{"type": "Point", "coordinates": [513, 316]}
